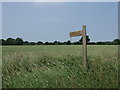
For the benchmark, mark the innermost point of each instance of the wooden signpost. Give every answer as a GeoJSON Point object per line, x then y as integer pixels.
{"type": "Point", "coordinates": [83, 34]}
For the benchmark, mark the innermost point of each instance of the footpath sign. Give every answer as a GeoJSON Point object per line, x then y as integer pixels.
{"type": "Point", "coordinates": [76, 33]}
{"type": "Point", "coordinates": [83, 34]}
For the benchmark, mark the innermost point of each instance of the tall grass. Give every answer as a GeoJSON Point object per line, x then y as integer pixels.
{"type": "Point", "coordinates": [0, 67]}
{"type": "Point", "coordinates": [59, 67]}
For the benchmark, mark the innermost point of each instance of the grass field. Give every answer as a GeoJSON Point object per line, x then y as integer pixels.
{"type": "Point", "coordinates": [59, 66]}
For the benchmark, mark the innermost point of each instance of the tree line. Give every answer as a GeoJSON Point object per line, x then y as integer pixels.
{"type": "Point", "coordinates": [20, 41]}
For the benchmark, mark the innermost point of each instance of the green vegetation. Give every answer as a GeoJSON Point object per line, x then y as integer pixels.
{"type": "Point", "coordinates": [20, 41]}
{"type": "Point", "coordinates": [59, 66]}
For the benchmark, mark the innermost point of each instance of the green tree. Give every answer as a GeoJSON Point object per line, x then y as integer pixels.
{"type": "Point", "coordinates": [100, 43]}
{"type": "Point", "coordinates": [32, 43]}
{"type": "Point", "coordinates": [26, 43]}
{"type": "Point", "coordinates": [68, 42]}
{"type": "Point", "coordinates": [18, 41]}
{"type": "Point", "coordinates": [55, 43]}
{"type": "Point", "coordinates": [10, 41]}
{"type": "Point", "coordinates": [77, 43]}
{"type": "Point", "coordinates": [87, 39]}
{"type": "Point", "coordinates": [39, 43]}
{"type": "Point", "coordinates": [2, 42]}
{"type": "Point", "coordinates": [46, 43]}
{"type": "Point", "coordinates": [116, 41]}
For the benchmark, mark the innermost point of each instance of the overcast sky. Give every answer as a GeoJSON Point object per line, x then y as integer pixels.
{"type": "Point", "coordinates": [37, 21]}
{"type": "Point", "coordinates": [0, 20]}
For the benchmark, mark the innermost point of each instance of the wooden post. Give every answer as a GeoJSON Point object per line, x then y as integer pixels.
{"type": "Point", "coordinates": [84, 46]}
